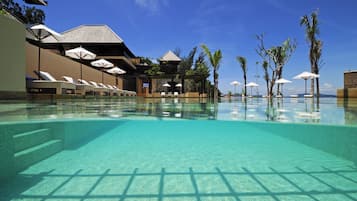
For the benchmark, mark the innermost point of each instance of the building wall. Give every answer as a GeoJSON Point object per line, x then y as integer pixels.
{"type": "Point", "coordinates": [59, 66]}
{"type": "Point", "coordinates": [12, 56]}
{"type": "Point", "coordinates": [350, 79]}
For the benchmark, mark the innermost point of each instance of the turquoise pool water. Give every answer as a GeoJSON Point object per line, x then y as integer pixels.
{"type": "Point", "coordinates": [129, 150]}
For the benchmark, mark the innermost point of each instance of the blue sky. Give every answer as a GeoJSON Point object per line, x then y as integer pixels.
{"type": "Point", "coordinates": [152, 27]}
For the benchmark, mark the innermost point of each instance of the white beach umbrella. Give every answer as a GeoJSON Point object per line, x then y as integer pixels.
{"type": "Point", "coordinates": [306, 76]}
{"type": "Point", "coordinates": [116, 71]}
{"type": "Point", "coordinates": [282, 81]}
{"type": "Point", "coordinates": [235, 84]}
{"type": "Point", "coordinates": [102, 63]}
{"type": "Point", "coordinates": [80, 53]}
{"type": "Point", "coordinates": [166, 85]}
{"type": "Point", "coordinates": [251, 85]}
{"type": "Point", "coordinates": [41, 31]}
{"type": "Point", "coordinates": [178, 85]}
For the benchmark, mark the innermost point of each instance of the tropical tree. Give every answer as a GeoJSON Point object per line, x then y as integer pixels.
{"type": "Point", "coordinates": [29, 15]}
{"type": "Point", "coordinates": [318, 63]}
{"type": "Point", "coordinates": [243, 65]}
{"type": "Point", "coordinates": [278, 55]}
{"type": "Point", "coordinates": [185, 65]}
{"type": "Point", "coordinates": [201, 71]}
{"type": "Point", "coordinates": [265, 66]}
{"type": "Point", "coordinates": [215, 61]}
{"type": "Point", "coordinates": [312, 31]}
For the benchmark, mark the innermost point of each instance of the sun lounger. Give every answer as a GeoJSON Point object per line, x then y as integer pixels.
{"type": "Point", "coordinates": [81, 88]}
{"type": "Point", "coordinates": [163, 94]}
{"type": "Point", "coordinates": [50, 84]}
{"type": "Point", "coordinates": [97, 90]}
{"type": "Point", "coordinates": [102, 90]}
{"type": "Point", "coordinates": [114, 91]}
{"type": "Point", "coordinates": [120, 91]}
{"type": "Point", "coordinates": [176, 94]}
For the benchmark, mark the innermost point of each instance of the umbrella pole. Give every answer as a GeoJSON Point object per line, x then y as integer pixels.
{"type": "Point", "coordinates": [102, 76]}
{"type": "Point", "coordinates": [305, 86]}
{"type": "Point", "coordinates": [39, 62]}
{"type": "Point", "coordinates": [81, 71]}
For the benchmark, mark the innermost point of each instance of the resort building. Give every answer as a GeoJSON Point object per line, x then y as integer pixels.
{"type": "Point", "coordinates": [99, 39]}
{"type": "Point", "coordinates": [350, 85]}
{"type": "Point", "coordinates": [168, 81]}
{"type": "Point", "coordinates": [28, 57]}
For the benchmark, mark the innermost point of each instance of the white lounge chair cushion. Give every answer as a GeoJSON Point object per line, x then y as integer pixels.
{"type": "Point", "coordinates": [68, 79]}
{"type": "Point", "coordinates": [47, 76]}
{"type": "Point", "coordinates": [103, 85]}
{"type": "Point", "coordinates": [94, 83]}
{"type": "Point", "coordinates": [83, 82]}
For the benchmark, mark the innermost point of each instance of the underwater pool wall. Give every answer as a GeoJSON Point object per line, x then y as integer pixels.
{"type": "Point", "coordinates": [340, 141]}
{"type": "Point", "coordinates": [24, 144]}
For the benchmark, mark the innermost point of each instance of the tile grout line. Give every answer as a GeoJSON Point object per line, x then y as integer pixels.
{"type": "Point", "coordinates": [161, 187]}
{"type": "Point", "coordinates": [227, 184]}
{"type": "Point", "coordinates": [193, 180]}
{"type": "Point", "coordinates": [260, 183]}
{"type": "Point", "coordinates": [292, 183]}
{"type": "Point", "coordinates": [122, 197]}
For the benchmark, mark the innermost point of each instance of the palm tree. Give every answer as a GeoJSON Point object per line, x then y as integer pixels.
{"type": "Point", "coordinates": [243, 64]}
{"type": "Point", "coordinates": [215, 61]}
{"type": "Point", "coordinates": [185, 65]}
{"type": "Point", "coordinates": [317, 52]}
{"type": "Point", "coordinates": [312, 30]}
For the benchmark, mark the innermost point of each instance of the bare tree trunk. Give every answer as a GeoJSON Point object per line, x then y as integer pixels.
{"type": "Point", "coordinates": [271, 89]}
{"type": "Point", "coordinates": [267, 87]}
{"type": "Point", "coordinates": [245, 85]}
{"type": "Point", "coordinates": [317, 88]}
{"type": "Point", "coordinates": [312, 90]}
{"type": "Point", "coordinates": [182, 85]}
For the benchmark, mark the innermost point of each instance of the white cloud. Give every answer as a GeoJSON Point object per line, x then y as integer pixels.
{"type": "Point", "coordinates": [152, 5]}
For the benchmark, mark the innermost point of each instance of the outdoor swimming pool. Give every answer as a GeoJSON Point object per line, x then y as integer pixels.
{"type": "Point", "coordinates": [180, 150]}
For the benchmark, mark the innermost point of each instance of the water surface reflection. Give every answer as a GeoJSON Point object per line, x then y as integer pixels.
{"type": "Point", "coordinates": [327, 111]}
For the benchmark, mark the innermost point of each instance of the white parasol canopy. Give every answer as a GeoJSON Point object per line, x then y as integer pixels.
{"type": "Point", "coordinates": [251, 85]}
{"type": "Point", "coordinates": [178, 85]}
{"type": "Point", "coordinates": [102, 63]}
{"type": "Point", "coordinates": [282, 81]}
{"type": "Point", "coordinates": [80, 53]}
{"type": "Point", "coordinates": [41, 31]}
{"type": "Point", "coordinates": [235, 84]}
{"type": "Point", "coordinates": [116, 70]}
{"type": "Point", "coordinates": [306, 76]}
{"type": "Point", "coordinates": [166, 85]}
